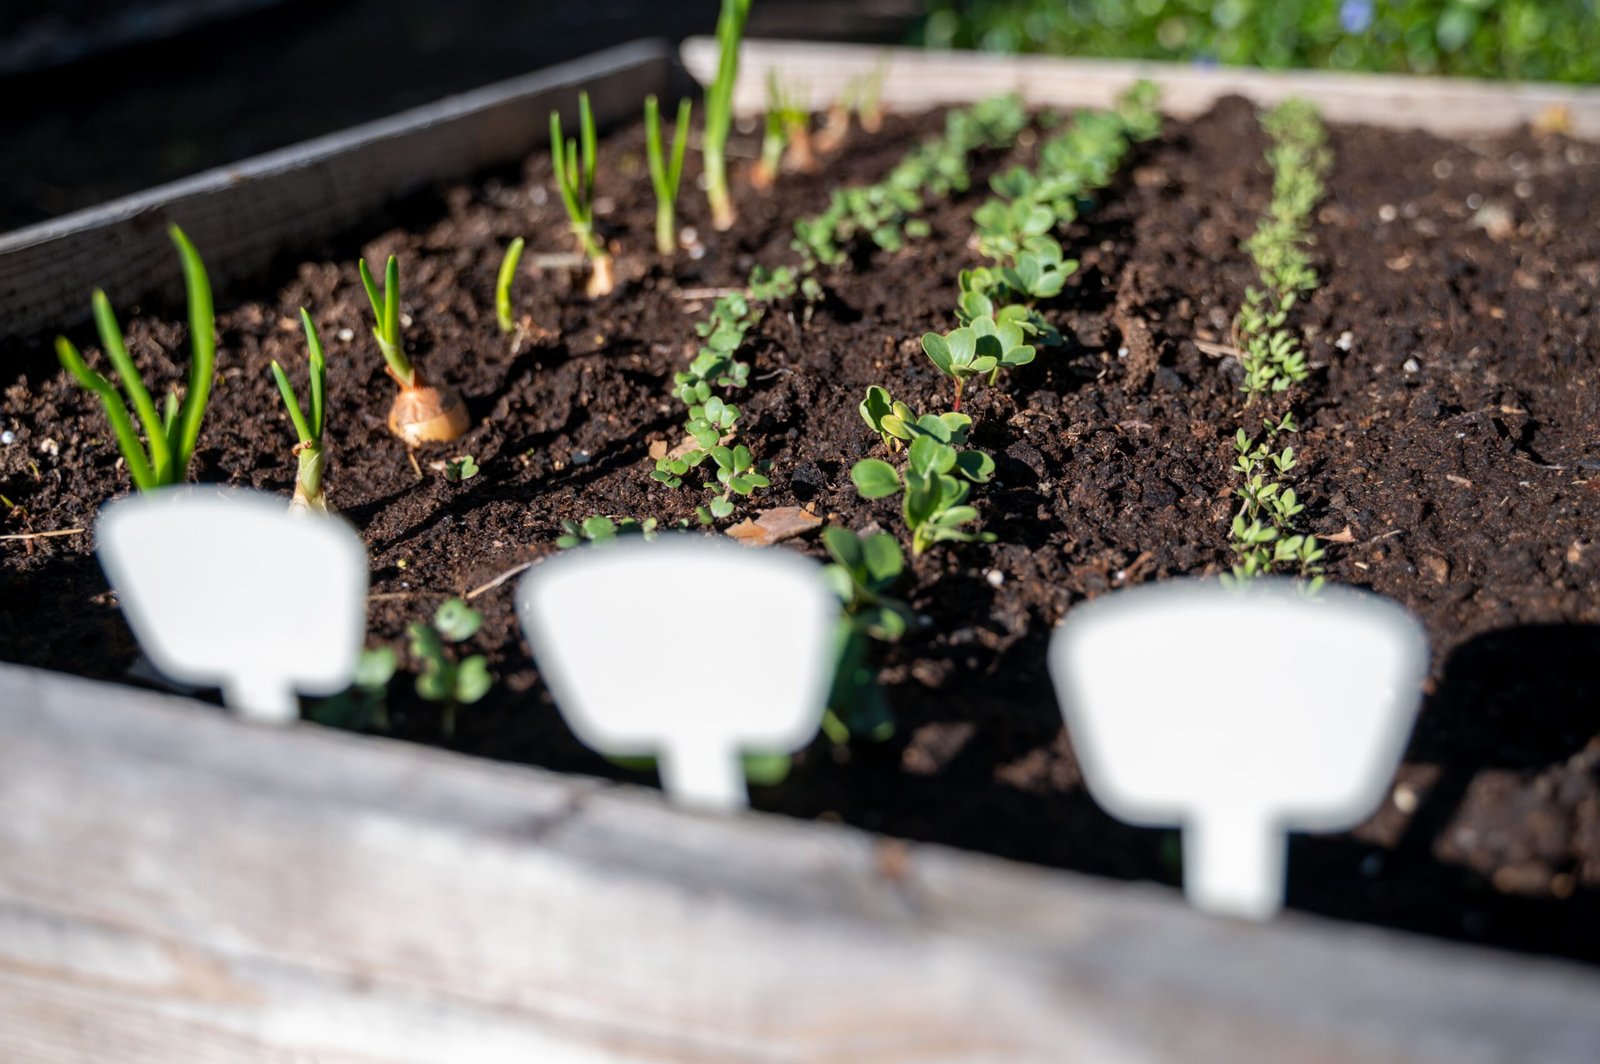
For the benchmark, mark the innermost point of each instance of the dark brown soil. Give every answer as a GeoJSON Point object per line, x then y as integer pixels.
{"type": "Point", "coordinates": [1449, 448]}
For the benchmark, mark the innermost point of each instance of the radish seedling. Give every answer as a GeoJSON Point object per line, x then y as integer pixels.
{"type": "Point", "coordinates": [936, 481]}
{"type": "Point", "coordinates": [574, 163]}
{"type": "Point", "coordinates": [502, 286]}
{"type": "Point", "coordinates": [442, 679]}
{"type": "Point", "coordinates": [421, 413]}
{"type": "Point", "coordinates": [864, 569]}
{"type": "Point", "coordinates": [666, 169]}
{"type": "Point", "coordinates": [982, 347]}
{"type": "Point", "coordinates": [309, 453]}
{"type": "Point", "coordinates": [602, 529]}
{"type": "Point", "coordinates": [719, 111]}
{"type": "Point", "coordinates": [898, 425]}
{"type": "Point", "coordinates": [171, 434]}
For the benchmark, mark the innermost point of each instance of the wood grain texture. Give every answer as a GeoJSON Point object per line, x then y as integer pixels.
{"type": "Point", "coordinates": [244, 217]}
{"type": "Point", "coordinates": [916, 79]}
{"type": "Point", "coordinates": [177, 886]}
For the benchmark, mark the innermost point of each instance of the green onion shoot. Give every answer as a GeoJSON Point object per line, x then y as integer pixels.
{"type": "Point", "coordinates": [575, 179]}
{"type": "Point", "coordinates": [170, 435]}
{"type": "Point", "coordinates": [309, 496]}
{"type": "Point", "coordinates": [719, 111]}
{"type": "Point", "coordinates": [665, 170]}
{"type": "Point", "coordinates": [421, 413]}
{"type": "Point", "coordinates": [502, 286]}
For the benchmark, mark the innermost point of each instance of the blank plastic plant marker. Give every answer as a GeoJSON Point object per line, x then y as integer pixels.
{"type": "Point", "coordinates": [1239, 714]}
{"type": "Point", "coordinates": [606, 623]}
{"type": "Point", "coordinates": [223, 587]}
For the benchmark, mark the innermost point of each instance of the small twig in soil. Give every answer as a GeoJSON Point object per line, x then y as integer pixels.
{"type": "Point", "coordinates": [43, 535]}
{"type": "Point", "coordinates": [689, 295]}
{"type": "Point", "coordinates": [497, 581]}
{"type": "Point", "coordinates": [1216, 350]}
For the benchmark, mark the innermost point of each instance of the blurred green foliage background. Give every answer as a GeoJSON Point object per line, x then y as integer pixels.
{"type": "Point", "coordinates": [1535, 40]}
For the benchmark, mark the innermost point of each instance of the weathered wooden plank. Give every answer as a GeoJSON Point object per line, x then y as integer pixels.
{"type": "Point", "coordinates": [176, 886]}
{"type": "Point", "coordinates": [915, 79]}
{"type": "Point", "coordinates": [244, 216]}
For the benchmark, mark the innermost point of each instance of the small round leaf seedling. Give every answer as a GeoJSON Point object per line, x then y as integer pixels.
{"type": "Point", "coordinates": [1172, 726]}
{"type": "Point", "coordinates": [224, 587]}
{"type": "Point", "coordinates": [602, 624]}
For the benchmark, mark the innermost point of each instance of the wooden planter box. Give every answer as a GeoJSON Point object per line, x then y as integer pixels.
{"type": "Point", "coordinates": [176, 886]}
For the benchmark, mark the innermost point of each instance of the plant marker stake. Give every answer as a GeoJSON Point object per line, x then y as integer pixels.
{"type": "Point", "coordinates": [224, 587]}
{"type": "Point", "coordinates": [603, 622]}
{"type": "Point", "coordinates": [1174, 724]}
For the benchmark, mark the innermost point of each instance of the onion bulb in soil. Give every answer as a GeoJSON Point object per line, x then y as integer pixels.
{"type": "Point", "coordinates": [423, 413]}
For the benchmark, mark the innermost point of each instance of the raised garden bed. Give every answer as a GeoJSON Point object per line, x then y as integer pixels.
{"type": "Point", "coordinates": [1445, 430]}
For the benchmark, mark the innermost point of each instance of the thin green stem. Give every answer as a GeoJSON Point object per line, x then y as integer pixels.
{"type": "Point", "coordinates": [105, 321]}
{"type": "Point", "coordinates": [574, 164]}
{"type": "Point", "coordinates": [719, 109]}
{"type": "Point", "coordinates": [302, 430]}
{"type": "Point", "coordinates": [502, 287]}
{"type": "Point", "coordinates": [665, 172]}
{"type": "Point", "coordinates": [203, 347]}
{"type": "Point", "coordinates": [386, 315]}
{"type": "Point", "coordinates": [133, 452]}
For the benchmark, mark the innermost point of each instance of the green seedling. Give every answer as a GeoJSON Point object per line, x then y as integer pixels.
{"type": "Point", "coordinates": [171, 434]}
{"type": "Point", "coordinates": [440, 677]}
{"type": "Point", "coordinates": [602, 529]}
{"type": "Point", "coordinates": [462, 468]}
{"type": "Point", "coordinates": [421, 413]}
{"type": "Point", "coordinates": [984, 346]}
{"type": "Point", "coordinates": [864, 568]}
{"type": "Point", "coordinates": [666, 168]}
{"type": "Point", "coordinates": [1263, 535]}
{"type": "Point", "coordinates": [574, 165]}
{"type": "Point", "coordinates": [364, 706]}
{"type": "Point", "coordinates": [935, 482]}
{"type": "Point", "coordinates": [502, 286]}
{"type": "Point", "coordinates": [898, 425]}
{"type": "Point", "coordinates": [774, 138]}
{"type": "Point", "coordinates": [719, 111]}
{"type": "Point", "coordinates": [309, 452]}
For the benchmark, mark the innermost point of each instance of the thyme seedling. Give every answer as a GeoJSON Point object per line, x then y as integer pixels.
{"type": "Point", "coordinates": [171, 434]}
{"type": "Point", "coordinates": [574, 163]}
{"type": "Point", "coordinates": [719, 111]}
{"type": "Point", "coordinates": [421, 413]}
{"type": "Point", "coordinates": [309, 452]}
{"type": "Point", "coordinates": [666, 169]}
{"type": "Point", "coordinates": [502, 286]}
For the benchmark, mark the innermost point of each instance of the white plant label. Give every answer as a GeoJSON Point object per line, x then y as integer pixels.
{"type": "Point", "coordinates": [225, 587]}
{"type": "Point", "coordinates": [613, 629]}
{"type": "Point", "coordinates": [1240, 715]}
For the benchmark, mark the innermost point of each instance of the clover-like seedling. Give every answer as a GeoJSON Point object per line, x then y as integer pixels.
{"type": "Point", "coordinates": [738, 474]}
{"type": "Point", "coordinates": [463, 467]}
{"type": "Point", "coordinates": [170, 435]}
{"type": "Point", "coordinates": [719, 111]}
{"type": "Point", "coordinates": [666, 169]}
{"type": "Point", "coordinates": [602, 529]}
{"type": "Point", "coordinates": [441, 678]}
{"type": "Point", "coordinates": [421, 413]}
{"type": "Point", "coordinates": [309, 453]}
{"type": "Point", "coordinates": [502, 287]}
{"type": "Point", "coordinates": [574, 164]}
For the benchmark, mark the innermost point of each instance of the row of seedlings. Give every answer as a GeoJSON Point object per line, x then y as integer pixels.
{"type": "Point", "coordinates": [1265, 534]}
{"type": "Point", "coordinates": [1000, 324]}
